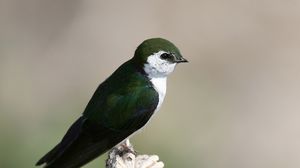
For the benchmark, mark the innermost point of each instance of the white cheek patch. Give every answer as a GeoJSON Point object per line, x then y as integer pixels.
{"type": "Point", "coordinates": [157, 67]}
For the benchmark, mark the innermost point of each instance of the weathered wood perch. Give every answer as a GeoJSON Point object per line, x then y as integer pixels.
{"type": "Point", "coordinates": [124, 156]}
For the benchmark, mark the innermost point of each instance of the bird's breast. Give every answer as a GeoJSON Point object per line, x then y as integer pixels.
{"type": "Point", "coordinates": [160, 85]}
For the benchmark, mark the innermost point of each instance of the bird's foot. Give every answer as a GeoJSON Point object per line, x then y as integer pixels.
{"type": "Point", "coordinates": [126, 147]}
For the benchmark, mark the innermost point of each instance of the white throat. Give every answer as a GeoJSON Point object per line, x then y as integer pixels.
{"type": "Point", "coordinates": [157, 67]}
{"type": "Point", "coordinates": [157, 70]}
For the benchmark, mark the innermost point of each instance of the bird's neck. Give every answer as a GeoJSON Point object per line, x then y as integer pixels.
{"type": "Point", "coordinates": [160, 84]}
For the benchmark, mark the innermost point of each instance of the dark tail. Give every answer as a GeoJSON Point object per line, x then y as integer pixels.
{"type": "Point", "coordinates": [71, 135]}
{"type": "Point", "coordinates": [83, 142]}
{"type": "Point", "coordinates": [49, 156]}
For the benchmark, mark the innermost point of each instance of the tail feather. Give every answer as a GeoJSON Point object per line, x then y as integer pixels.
{"type": "Point", "coordinates": [71, 135]}
{"type": "Point", "coordinates": [49, 156]}
{"type": "Point", "coordinates": [83, 142]}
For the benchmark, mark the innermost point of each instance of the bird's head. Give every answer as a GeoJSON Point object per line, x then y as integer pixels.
{"type": "Point", "coordinates": [158, 57]}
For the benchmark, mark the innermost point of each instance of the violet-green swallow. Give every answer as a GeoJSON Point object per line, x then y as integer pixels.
{"type": "Point", "coordinates": [120, 106]}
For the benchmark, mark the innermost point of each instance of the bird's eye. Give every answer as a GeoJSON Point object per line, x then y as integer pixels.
{"type": "Point", "coordinates": [166, 56]}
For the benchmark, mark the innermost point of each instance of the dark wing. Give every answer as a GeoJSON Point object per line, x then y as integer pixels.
{"type": "Point", "coordinates": [126, 100]}
{"type": "Point", "coordinates": [124, 109]}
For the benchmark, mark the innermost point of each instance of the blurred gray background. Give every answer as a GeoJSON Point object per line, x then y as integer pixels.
{"type": "Point", "coordinates": [235, 105]}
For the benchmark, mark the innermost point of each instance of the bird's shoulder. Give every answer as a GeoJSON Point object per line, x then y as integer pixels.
{"type": "Point", "coordinates": [126, 95]}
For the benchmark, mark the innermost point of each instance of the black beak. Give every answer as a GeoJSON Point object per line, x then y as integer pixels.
{"type": "Point", "coordinates": [181, 60]}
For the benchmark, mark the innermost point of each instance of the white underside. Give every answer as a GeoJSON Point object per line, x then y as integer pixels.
{"type": "Point", "coordinates": [160, 85]}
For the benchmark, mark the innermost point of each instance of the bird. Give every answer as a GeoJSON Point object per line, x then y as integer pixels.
{"type": "Point", "coordinates": [120, 106]}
